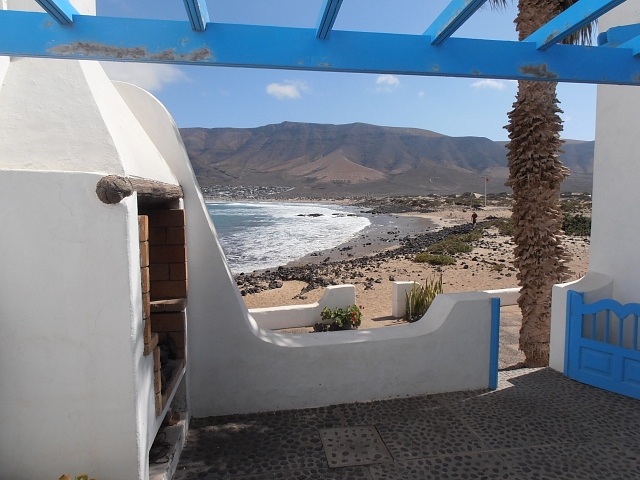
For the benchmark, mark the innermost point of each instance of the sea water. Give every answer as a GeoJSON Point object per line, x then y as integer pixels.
{"type": "Point", "coordinates": [261, 235]}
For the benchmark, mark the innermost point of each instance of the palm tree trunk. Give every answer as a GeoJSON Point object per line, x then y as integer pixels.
{"type": "Point", "coordinates": [535, 174]}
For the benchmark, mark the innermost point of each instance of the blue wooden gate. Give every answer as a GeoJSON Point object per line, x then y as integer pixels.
{"type": "Point", "coordinates": [602, 344]}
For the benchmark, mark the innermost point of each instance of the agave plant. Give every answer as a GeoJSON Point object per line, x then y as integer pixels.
{"type": "Point", "coordinates": [419, 298]}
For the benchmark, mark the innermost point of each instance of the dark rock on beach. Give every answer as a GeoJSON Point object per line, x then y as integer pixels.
{"type": "Point", "coordinates": [329, 272]}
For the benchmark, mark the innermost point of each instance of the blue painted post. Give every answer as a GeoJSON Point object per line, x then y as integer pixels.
{"type": "Point", "coordinates": [574, 303]}
{"type": "Point", "coordinates": [495, 343]}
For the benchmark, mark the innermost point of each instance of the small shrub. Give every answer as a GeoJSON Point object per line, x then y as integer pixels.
{"type": "Point", "coordinates": [450, 245]}
{"type": "Point", "coordinates": [79, 477]}
{"type": "Point", "coordinates": [498, 267]}
{"type": "Point", "coordinates": [432, 259]}
{"type": "Point", "coordinates": [505, 226]}
{"type": "Point", "coordinates": [472, 236]}
{"type": "Point", "coordinates": [576, 225]}
{"type": "Point", "coordinates": [419, 298]}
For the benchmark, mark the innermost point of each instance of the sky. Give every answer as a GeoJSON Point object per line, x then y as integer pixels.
{"type": "Point", "coordinates": [199, 96]}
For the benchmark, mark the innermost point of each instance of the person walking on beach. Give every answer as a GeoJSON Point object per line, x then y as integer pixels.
{"type": "Point", "coordinates": [474, 218]}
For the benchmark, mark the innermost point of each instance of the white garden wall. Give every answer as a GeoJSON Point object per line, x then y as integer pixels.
{"type": "Point", "coordinates": [292, 316]}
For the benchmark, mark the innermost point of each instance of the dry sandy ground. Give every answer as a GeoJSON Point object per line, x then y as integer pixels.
{"type": "Point", "coordinates": [473, 271]}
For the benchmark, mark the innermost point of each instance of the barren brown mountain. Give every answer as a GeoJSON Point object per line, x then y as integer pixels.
{"type": "Point", "coordinates": [358, 158]}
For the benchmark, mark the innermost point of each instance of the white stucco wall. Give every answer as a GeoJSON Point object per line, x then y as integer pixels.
{"type": "Point", "coordinates": [292, 316]}
{"type": "Point", "coordinates": [235, 366]}
{"type": "Point", "coordinates": [75, 388]}
{"type": "Point", "coordinates": [75, 122]}
{"type": "Point", "coordinates": [614, 258]}
{"type": "Point", "coordinates": [616, 196]}
{"type": "Point", "coordinates": [71, 326]}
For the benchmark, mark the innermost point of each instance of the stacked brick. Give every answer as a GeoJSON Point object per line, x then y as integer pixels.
{"type": "Point", "coordinates": [168, 254]}
{"type": "Point", "coordinates": [150, 341]}
{"type": "Point", "coordinates": [167, 292]}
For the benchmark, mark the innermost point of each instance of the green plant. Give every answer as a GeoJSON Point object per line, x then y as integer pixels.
{"type": "Point", "coordinates": [419, 298]}
{"type": "Point", "coordinates": [450, 245]}
{"type": "Point", "coordinates": [472, 236]}
{"type": "Point", "coordinates": [432, 259]}
{"type": "Point", "coordinates": [351, 317]}
{"type": "Point", "coordinates": [576, 225]}
{"type": "Point", "coordinates": [79, 477]}
{"type": "Point", "coordinates": [505, 226]}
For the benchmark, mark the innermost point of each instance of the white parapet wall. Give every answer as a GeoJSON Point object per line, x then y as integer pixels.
{"type": "Point", "coordinates": [398, 298]}
{"type": "Point", "coordinates": [507, 296]}
{"type": "Point", "coordinates": [292, 316]}
{"type": "Point", "coordinates": [237, 366]}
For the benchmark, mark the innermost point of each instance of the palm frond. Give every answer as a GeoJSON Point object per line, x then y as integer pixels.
{"type": "Point", "coordinates": [498, 4]}
{"type": "Point", "coordinates": [584, 36]}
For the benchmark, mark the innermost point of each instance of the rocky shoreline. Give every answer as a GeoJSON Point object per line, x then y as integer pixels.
{"type": "Point", "coordinates": [333, 272]}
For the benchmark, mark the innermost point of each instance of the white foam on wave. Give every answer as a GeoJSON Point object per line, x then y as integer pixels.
{"type": "Point", "coordinates": [257, 236]}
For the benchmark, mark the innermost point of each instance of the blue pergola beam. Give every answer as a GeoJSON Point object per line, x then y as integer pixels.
{"type": "Point", "coordinates": [197, 13]}
{"type": "Point", "coordinates": [328, 17]}
{"type": "Point", "coordinates": [451, 19]}
{"type": "Point", "coordinates": [61, 10]}
{"type": "Point", "coordinates": [633, 44]}
{"type": "Point", "coordinates": [31, 34]}
{"type": "Point", "coordinates": [570, 21]}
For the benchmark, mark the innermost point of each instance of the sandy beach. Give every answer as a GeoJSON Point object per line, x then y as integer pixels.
{"type": "Point", "coordinates": [473, 271]}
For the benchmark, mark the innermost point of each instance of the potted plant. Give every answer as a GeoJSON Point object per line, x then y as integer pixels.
{"type": "Point", "coordinates": [340, 319]}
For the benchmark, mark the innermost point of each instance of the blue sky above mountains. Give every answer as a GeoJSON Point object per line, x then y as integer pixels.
{"type": "Point", "coordinates": [237, 97]}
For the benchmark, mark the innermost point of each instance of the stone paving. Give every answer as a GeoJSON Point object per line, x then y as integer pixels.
{"type": "Point", "coordinates": [538, 424]}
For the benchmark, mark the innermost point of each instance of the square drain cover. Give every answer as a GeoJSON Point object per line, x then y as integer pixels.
{"type": "Point", "coordinates": [347, 446]}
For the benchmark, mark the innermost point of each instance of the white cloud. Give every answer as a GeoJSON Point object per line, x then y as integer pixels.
{"type": "Point", "coordinates": [387, 83]}
{"type": "Point", "coordinates": [150, 76]}
{"type": "Point", "coordinates": [421, 94]}
{"type": "Point", "coordinates": [291, 89]}
{"type": "Point", "coordinates": [490, 83]}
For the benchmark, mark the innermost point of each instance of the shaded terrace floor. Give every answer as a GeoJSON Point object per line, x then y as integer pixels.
{"type": "Point", "coordinates": [538, 424]}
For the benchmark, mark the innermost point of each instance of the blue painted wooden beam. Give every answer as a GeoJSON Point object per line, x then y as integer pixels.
{"type": "Point", "coordinates": [31, 34]}
{"type": "Point", "coordinates": [197, 13]}
{"type": "Point", "coordinates": [617, 36]}
{"type": "Point", "coordinates": [570, 21]}
{"type": "Point", "coordinates": [328, 17]}
{"type": "Point", "coordinates": [61, 10]}
{"type": "Point", "coordinates": [452, 18]}
{"type": "Point", "coordinates": [633, 44]}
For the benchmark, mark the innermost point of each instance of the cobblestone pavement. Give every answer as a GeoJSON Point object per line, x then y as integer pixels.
{"type": "Point", "coordinates": [538, 424]}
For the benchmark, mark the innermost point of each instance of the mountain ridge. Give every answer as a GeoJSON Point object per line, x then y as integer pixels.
{"type": "Point", "coordinates": [358, 158]}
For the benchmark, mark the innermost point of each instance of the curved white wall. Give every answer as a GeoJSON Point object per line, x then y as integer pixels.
{"type": "Point", "coordinates": [235, 366]}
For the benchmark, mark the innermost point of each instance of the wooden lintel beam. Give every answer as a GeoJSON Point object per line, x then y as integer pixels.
{"type": "Point", "coordinates": [113, 189]}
